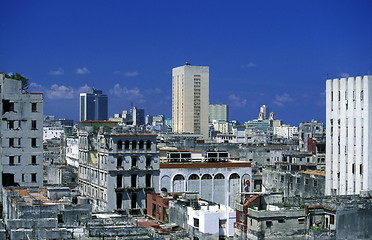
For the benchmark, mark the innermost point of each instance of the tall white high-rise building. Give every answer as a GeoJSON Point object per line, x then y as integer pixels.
{"type": "Point", "coordinates": [190, 99]}
{"type": "Point", "coordinates": [349, 138]}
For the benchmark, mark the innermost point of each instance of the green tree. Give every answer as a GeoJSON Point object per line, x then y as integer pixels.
{"type": "Point", "coordinates": [18, 76]}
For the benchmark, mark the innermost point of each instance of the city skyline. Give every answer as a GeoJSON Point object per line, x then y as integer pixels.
{"type": "Point", "coordinates": [277, 54]}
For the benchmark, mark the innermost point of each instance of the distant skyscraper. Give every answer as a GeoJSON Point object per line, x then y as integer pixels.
{"type": "Point", "coordinates": [93, 105]}
{"type": "Point", "coordinates": [218, 112]}
{"type": "Point", "coordinates": [263, 112]}
{"type": "Point", "coordinates": [190, 99]}
{"type": "Point", "coordinates": [138, 116]}
{"type": "Point", "coordinates": [349, 136]}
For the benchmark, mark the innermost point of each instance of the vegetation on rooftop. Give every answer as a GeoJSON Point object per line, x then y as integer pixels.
{"type": "Point", "coordinates": [18, 76]}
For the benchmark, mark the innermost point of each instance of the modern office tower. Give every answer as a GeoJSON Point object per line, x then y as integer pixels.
{"type": "Point", "coordinates": [349, 138]}
{"type": "Point", "coordinates": [218, 112]}
{"type": "Point", "coordinates": [93, 105]}
{"type": "Point", "coordinates": [263, 112]}
{"type": "Point", "coordinates": [148, 119]}
{"type": "Point", "coordinates": [21, 134]}
{"type": "Point", "coordinates": [190, 99]}
{"type": "Point", "coordinates": [138, 116]}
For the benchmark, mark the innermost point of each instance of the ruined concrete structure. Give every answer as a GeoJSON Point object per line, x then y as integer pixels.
{"type": "Point", "coordinates": [21, 134]}
{"type": "Point", "coordinates": [117, 170]}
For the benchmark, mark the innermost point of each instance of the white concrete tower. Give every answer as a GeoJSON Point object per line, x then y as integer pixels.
{"type": "Point", "coordinates": [190, 99]}
{"type": "Point", "coordinates": [349, 139]}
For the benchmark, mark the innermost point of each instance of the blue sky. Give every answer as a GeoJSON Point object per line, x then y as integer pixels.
{"type": "Point", "coordinates": [277, 53]}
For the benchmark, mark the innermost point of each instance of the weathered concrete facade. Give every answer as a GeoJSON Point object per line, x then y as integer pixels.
{"type": "Point", "coordinates": [21, 135]}
{"type": "Point", "coordinates": [117, 170]}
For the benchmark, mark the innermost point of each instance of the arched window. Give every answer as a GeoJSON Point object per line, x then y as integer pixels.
{"type": "Point", "coordinates": [219, 176]}
{"type": "Point", "coordinates": [134, 161]}
{"type": "Point", "coordinates": [179, 177]}
{"type": "Point", "coordinates": [206, 177]}
{"type": "Point", "coordinates": [119, 161]}
{"type": "Point", "coordinates": [141, 144]}
{"type": "Point", "coordinates": [134, 144]}
{"type": "Point", "coordinates": [194, 177]}
{"type": "Point", "coordinates": [148, 144]}
{"type": "Point", "coordinates": [120, 145]}
{"type": "Point", "coordinates": [126, 144]}
{"type": "Point", "coordinates": [148, 161]}
{"type": "Point", "coordinates": [234, 176]}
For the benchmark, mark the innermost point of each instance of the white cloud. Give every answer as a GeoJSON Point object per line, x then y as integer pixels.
{"type": "Point", "coordinates": [250, 65]}
{"type": "Point", "coordinates": [237, 101]}
{"type": "Point", "coordinates": [60, 92]}
{"type": "Point", "coordinates": [130, 94]}
{"type": "Point", "coordinates": [280, 100]}
{"type": "Point", "coordinates": [59, 71]}
{"type": "Point", "coordinates": [126, 74]}
{"type": "Point", "coordinates": [56, 91]}
{"type": "Point", "coordinates": [82, 71]}
{"type": "Point", "coordinates": [344, 75]}
{"type": "Point", "coordinates": [84, 88]}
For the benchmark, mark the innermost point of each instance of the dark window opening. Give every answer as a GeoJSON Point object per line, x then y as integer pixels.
{"type": "Point", "coordinates": [60, 218]}
{"type": "Point", "coordinates": [134, 161]}
{"type": "Point", "coordinates": [8, 180]}
{"type": "Point", "coordinates": [134, 144]}
{"type": "Point", "coordinates": [134, 200]}
{"type": "Point", "coordinates": [11, 124]}
{"type": "Point", "coordinates": [148, 144]}
{"type": "Point", "coordinates": [11, 142]}
{"type": "Point", "coordinates": [8, 106]}
{"type": "Point", "coordinates": [141, 144]}
{"type": "Point", "coordinates": [282, 220]}
{"type": "Point", "coordinates": [153, 210]}
{"type": "Point", "coordinates": [119, 162]}
{"type": "Point", "coordinates": [33, 125]}
{"type": "Point", "coordinates": [33, 107]}
{"type": "Point", "coordinates": [353, 168]}
{"type": "Point", "coordinates": [119, 181]}
{"type": "Point", "coordinates": [269, 224]}
{"type": "Point", "coordinates": [119, 199]}
{"type": "Point", "coordinates": [33, 177]}
{"type": "Point", "coordinates": [11, 160]}
{"type": "Point", "coordinates": [148, 161]}
{"type": "Point", "coordinates": [120, 145]}
{"type": "Point", "coordinates": [332, 219]}
{"type": "Point", "coordinates": [134, 180]}
{"type": "Point", "coordinates": [33, 160]}
{"type": "Point", "coordinates": [148, 180]}
{"type": "Point", "coordinates": [126, 145]}
{"type": "Point", "coordinates": [33, 142]}
{"type": "Point", "coordinates": [196, 222]}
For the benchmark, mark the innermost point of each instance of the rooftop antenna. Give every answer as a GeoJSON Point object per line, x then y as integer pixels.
{"type": "Point", "coordinates": [187, 63]}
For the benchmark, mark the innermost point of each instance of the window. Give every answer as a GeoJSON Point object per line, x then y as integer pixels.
{"type": "Point", "coordinates": [8, 106]}
{"type": "Point", "coordinates": [134, 144]}
{"type": "Point", "coordinates": [196, 222]}
{"type": "Point", "coordinates": [148, 161]}
{"type": "Point", "coordinates": [23, 177]}
{"type": "Point", "coordinates": [315, 183]}
{"type": "Point", "coordinates": [269, 224]}
{"type": "Point", "coordinates": [119, 161]}
{"type": "Point", "coordinates": [222, 223]}
{"type": "Point", "coordinates": [298, 180]}
{"type": "Point", "coordinates": [361, 169]}
{"type": "Point", "coordinates": [33, 160]}
{"type": "Point", "coordinates": [134, 180]}
{"type": "Point", "coordinates": [119, 181]}
{"type": "Point", "coordinates": [33, 142]}
{"type": "Point", "coordinates": [11, 160]}
{"type": "Point", "coordinates": [11, 142]}
{"type": "Point", "coordinates": [126, 144]}
{"type": "Point", "coordinates": [33, 177]}
{"type": "Point", "coordinates": [10, 124]}
{"type": "Point", "coordinates": [301, 220]}
{"type": "Point", "coordinates": [120, 145]}
{"type": "Point", "coordinates": [282, 220]}
{"type": "Point", "coordinates": [141, 144]}
{"type": "Point", "coordinates": [148, 180]}
{"type": "Point", "coordinates": [306, 181]}
{"type": "Point", "coordinates": [353, 168]}
{"type": "Point", "coordinates": [33, 107]}
{"type": "Point", "coordinates": [33, 125]}
{"type": "Point", "coordinates": [148, 144]}
{"type": "Point", "coordinates": [134, 161]}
